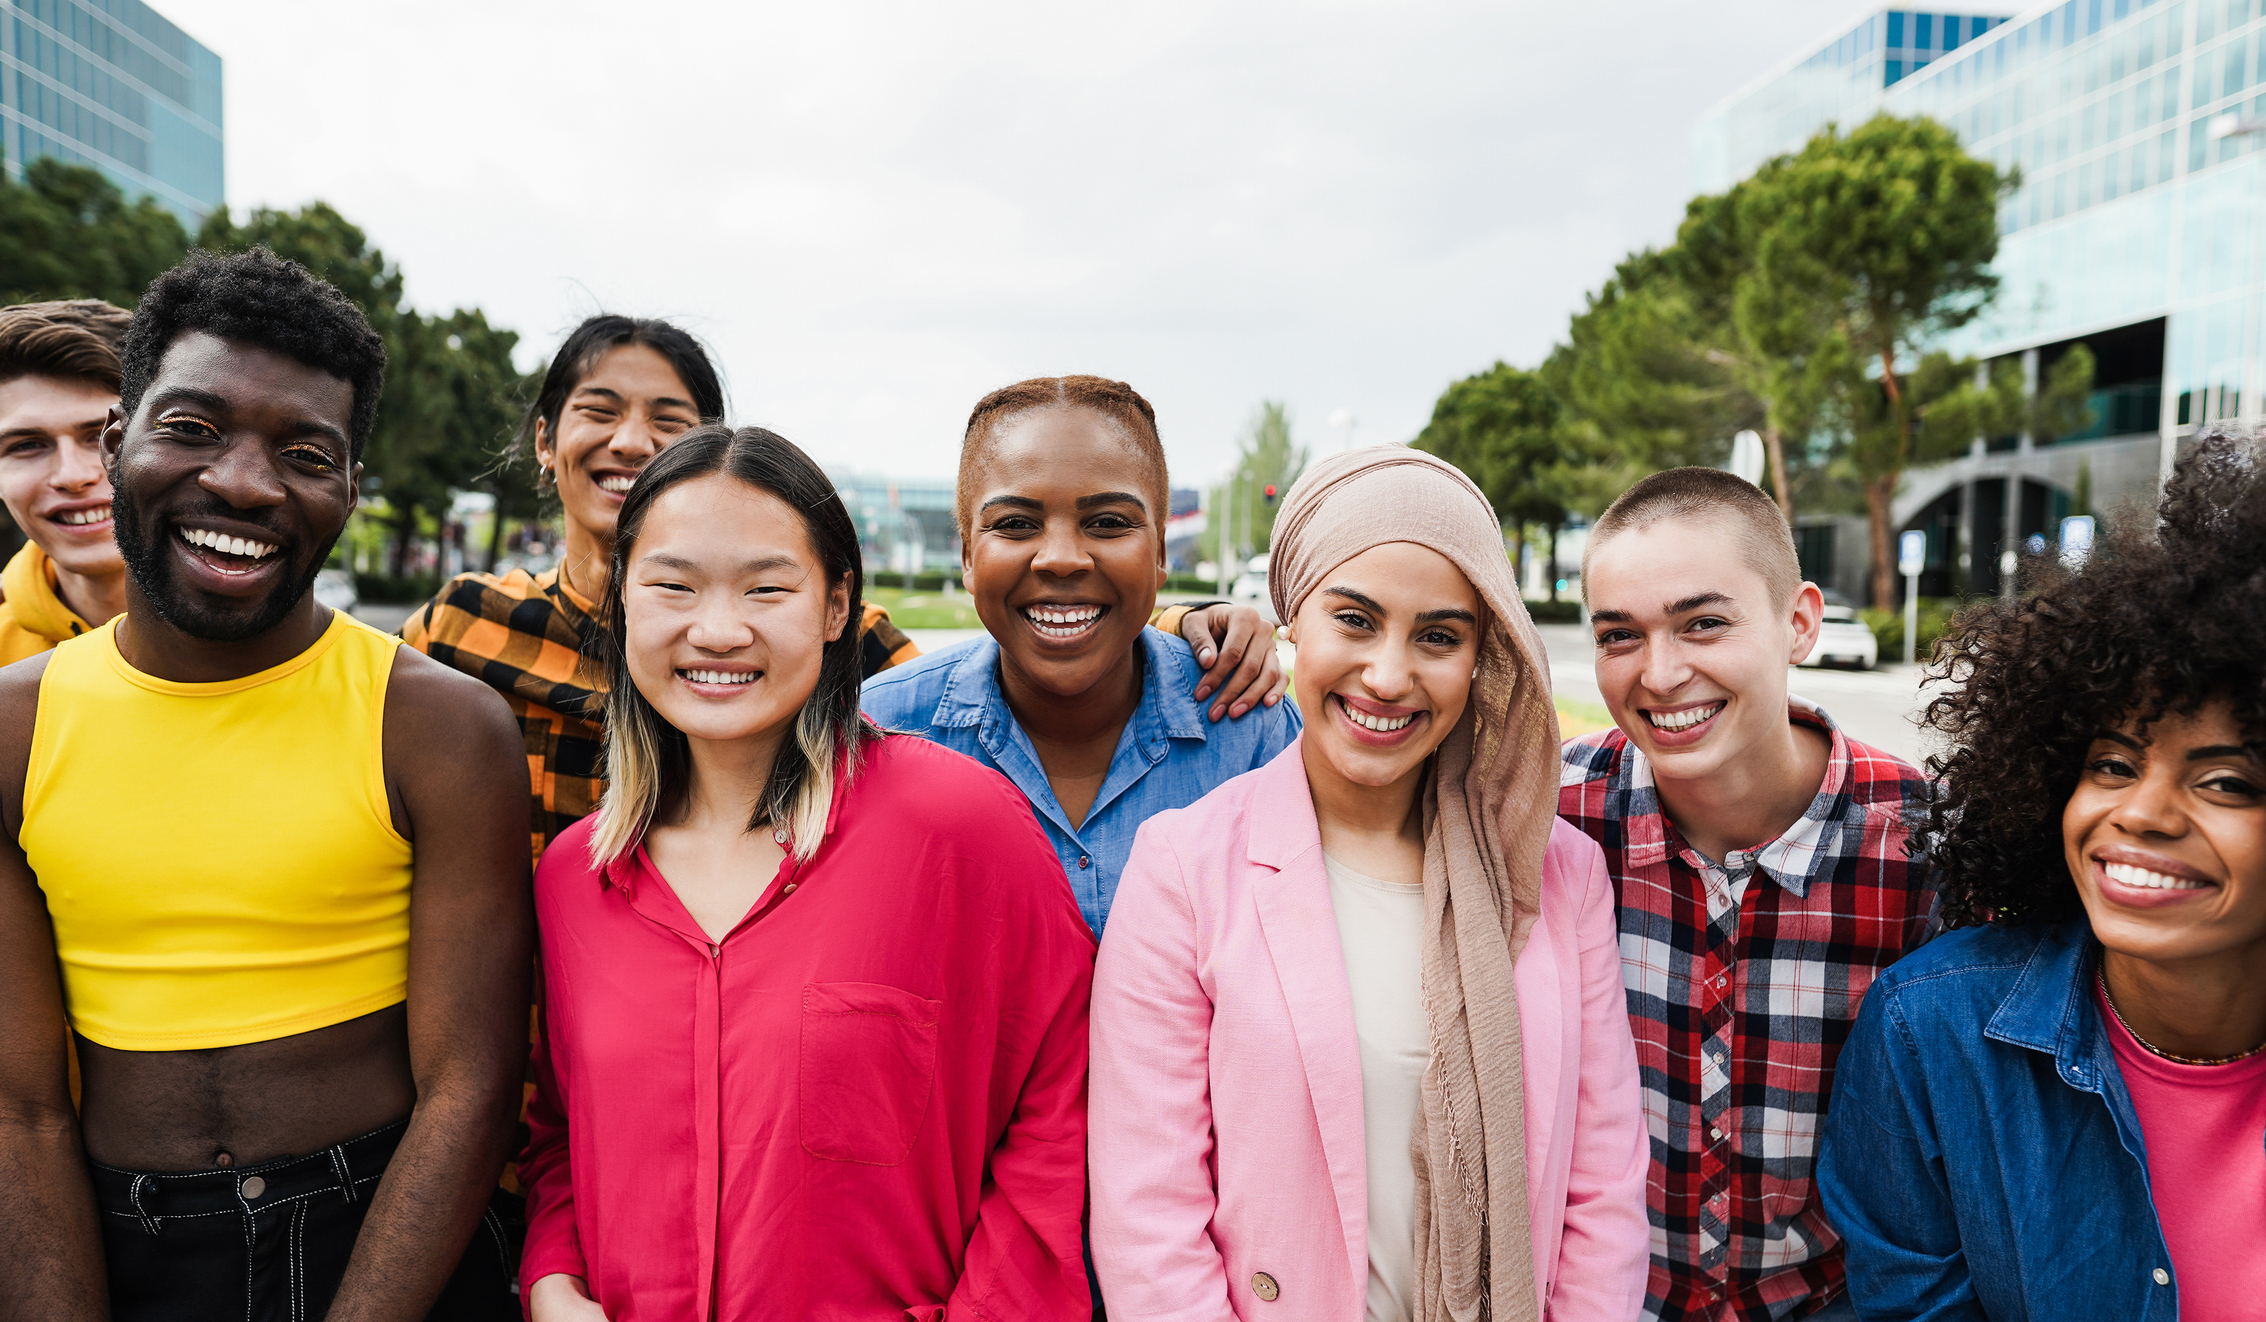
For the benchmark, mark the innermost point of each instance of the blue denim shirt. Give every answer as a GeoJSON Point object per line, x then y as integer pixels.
{"type": "Point", "coordinates": [1982, 1158]}
{"type": "Point", "coordinates": [1168, 757]}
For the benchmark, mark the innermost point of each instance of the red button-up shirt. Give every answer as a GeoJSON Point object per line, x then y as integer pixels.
{"type": "Point", "coordinates": [868, 1101]}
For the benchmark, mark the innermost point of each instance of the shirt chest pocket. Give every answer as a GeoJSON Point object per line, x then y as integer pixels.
{"type": "Point", "coordinates": [866, 1070]}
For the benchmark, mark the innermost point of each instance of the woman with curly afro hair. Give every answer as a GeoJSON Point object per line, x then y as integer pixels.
{"type": "Point", "coordinates": [2058, 1110]}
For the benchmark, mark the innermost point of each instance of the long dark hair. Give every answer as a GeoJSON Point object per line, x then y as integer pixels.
{"type": "Point", "coordinates": [591, 340]}
{"type": "Point", "coordinates": [648, 760]}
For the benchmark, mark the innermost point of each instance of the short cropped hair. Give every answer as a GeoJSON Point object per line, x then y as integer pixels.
{"type": "Point", "coordinates": [263, 300]}
{"type": "Point", "coordinates": [73, 340]}
{"type": "Point", "coordinates": [1114, 400]}
{"type": "Point", "coordinates": [1685, 494]}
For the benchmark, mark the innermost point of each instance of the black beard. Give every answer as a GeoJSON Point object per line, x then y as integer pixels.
{"type": "Point", "coordinates": [153, 574]}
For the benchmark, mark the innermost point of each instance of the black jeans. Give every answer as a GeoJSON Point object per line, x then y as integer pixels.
{"type": "Point", "coordinates": [269, 1243]}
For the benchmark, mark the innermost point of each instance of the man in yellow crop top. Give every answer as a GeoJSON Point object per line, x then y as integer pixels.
{"type": "Point", "coordinates": [270, 864]}
{"type": "Point", "coordinates": [58, 382]}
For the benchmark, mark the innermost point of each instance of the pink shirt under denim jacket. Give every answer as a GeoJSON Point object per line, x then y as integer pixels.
{"type": "Point", "coordinates": [867, 1101]}
{"type": "Point", "coordinates": [1225, 1102]}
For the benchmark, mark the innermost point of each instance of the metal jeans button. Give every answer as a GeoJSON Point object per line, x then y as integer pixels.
{"type": "Point", "coordinates": [253, 1187]}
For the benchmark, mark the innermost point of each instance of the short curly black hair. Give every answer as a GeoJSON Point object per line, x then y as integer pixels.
{"type": "Point", "coordinates": [265, 300]}
{"type": "Point", "coordinates": [2168, 615]}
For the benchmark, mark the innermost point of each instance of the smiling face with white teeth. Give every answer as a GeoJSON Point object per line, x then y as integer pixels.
{"type": "Point", "coordinates": [1064, 556]}
{"type": "Point", "coordinates": [53, 483]}
{"type": "Point", "coordinates": [624, 409]}
{"type": "Point", "coordinates": [1692, 651]}
{"type": "Point", "coordinates": [727, 612]}
{"type": "Point", "coordinates": [1386, 647]}
{"type": "Point", "coordinates": [231, 482]}
{"type": "Point", "coordinates": [2165, 835]}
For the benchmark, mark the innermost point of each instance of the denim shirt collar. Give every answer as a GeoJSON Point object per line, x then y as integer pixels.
{"type": "Point", "coordinates": [2047, 1009]}
{"type": "Point", "coordinates": [2050, 1009]}
{"type": "Point", "coordinates": [973, 698]}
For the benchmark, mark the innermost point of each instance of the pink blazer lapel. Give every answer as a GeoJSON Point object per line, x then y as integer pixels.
{"type": "Point", "coordinates": [1302, 940]}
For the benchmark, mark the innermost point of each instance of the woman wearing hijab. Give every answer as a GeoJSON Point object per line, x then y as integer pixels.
{"type": "Point", "coordinates": [1360, 1048]}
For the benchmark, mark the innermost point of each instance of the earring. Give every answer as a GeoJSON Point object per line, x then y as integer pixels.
{"type": "Point", "coordinates": [543, 476]}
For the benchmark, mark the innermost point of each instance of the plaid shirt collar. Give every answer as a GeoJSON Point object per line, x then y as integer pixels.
{"type": "Point", "coordinates": [1792, 860]}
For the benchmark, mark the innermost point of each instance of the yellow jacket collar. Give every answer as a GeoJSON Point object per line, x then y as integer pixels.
{"type": "Point", "coordinates": [29, 586]}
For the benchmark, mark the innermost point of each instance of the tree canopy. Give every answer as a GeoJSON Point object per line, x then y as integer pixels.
{"type": "Point", "coordinates": [1507, 429]}
{"type": "Point", "coordinates": [452, 394]}
{"type": "Point", "coordinates": [67, 231]}
{"type": "Point", "coordinates": [1266, 455]}
{"type": "Point", "coordinates": [1806, 302]}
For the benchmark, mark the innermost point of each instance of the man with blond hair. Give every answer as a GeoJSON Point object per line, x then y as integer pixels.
{"type": "Point", "coordinates": [1759, 864]}
{"type": "Point", "coordinates": [58, 382]}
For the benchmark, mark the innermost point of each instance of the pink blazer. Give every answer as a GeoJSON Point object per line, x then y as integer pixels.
{"type": "Point", "coordinates": [1224, 1111]}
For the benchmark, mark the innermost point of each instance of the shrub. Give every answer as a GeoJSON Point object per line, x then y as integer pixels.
{"type": "Point", "coordinates": [1888, 626]}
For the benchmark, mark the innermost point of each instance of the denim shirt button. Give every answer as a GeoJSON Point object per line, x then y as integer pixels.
{"type": "Point", "coordinates": [1084, 861]}
{"type": "Point", "coordinates": [2163, 1277]}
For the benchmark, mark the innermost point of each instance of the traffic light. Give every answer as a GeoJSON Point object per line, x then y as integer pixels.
{"type": "Point", "coordinates": [1270, 493]}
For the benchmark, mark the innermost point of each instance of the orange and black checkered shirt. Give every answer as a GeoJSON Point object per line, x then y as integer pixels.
{"type": "Point", "coordinates": [522, 635]}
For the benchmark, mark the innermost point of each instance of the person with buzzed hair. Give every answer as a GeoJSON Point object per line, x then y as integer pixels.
{"type": "Point", "coordinates": [270, 865]}
{"type": "Point", "coordinates": [1762, 878]}
{"type": "Point", "coordinates": [58, 382]}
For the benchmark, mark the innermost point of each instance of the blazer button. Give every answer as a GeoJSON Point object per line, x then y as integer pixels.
{"type": "Point", "coordinates": [1264, 1286]}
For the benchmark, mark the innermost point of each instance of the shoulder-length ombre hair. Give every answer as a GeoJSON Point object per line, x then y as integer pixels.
{"type": "Point", "coordinates": [647, 758]}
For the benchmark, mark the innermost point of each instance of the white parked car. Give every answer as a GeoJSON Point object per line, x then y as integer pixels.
{"type": "Point", "coordinates": [1251, 586]}
{"type": "Point", "coordinates": [1844, 639]}
{"type": "Point", "coordinates": [335, 588]}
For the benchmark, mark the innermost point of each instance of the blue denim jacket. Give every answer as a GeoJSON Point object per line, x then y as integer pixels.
{"type": "Point", "coordinates": [1982, 1158]}
{"type": "Point", "coordinates": [1169, 756]}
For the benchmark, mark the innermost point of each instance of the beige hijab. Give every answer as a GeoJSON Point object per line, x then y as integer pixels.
{"type": "Point", "coordinates": [1493, 794]}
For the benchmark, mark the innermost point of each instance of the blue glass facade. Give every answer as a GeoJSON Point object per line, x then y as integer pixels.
{"type": "Point", "coordinates": [112, 84]}
{"type": "Point", "coordinates": [2139, 228]}
{"type": "Point", "coordinates": [1841, 81]}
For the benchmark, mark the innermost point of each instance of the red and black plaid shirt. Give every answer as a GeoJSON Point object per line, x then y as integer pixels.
{"type": "Point", "coordinates": [1740, 999]}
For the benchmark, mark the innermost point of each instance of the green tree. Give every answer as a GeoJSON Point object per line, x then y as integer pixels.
{"type": "Point", "coordinates": [1886, 234]}
{"type": "Point", "coordinates": [1266, 455]}
{"type": "Point", "coordinates": [1510, 433]}
{"type": "Point", "coordinates": [66, 231]}
{"type": "Point", "coordinates": [1674, 355]}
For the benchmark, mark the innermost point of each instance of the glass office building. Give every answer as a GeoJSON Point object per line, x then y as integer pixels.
{"type": "Point", "coordinates": [112, 84]}
{"type": "Point", "coordinates": [2139, 230]}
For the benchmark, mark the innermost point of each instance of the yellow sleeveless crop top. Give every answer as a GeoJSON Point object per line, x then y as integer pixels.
{"type": "Point", "coordinates": [219, 860]}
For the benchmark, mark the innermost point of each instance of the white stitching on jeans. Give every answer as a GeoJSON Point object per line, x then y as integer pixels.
{"type": "Point", "coordinates": [299, 1262]}
{"type": "Point", "coordinates": [339, 1168]}
{"type": "Point", "coordinates": [248, 1242]}
{"type": "Point", "coordinates": [495, 1227]}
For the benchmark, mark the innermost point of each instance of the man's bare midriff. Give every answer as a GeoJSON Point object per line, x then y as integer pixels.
{"type": "Point", "coordinates": [238, 1106]}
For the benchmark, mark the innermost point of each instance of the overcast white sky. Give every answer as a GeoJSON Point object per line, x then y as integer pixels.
{"type": "Point", "coordinates": [874, 212]}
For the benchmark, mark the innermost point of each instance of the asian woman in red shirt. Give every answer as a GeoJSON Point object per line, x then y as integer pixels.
{"type": "Point", "coordinates": [815, 1032]}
